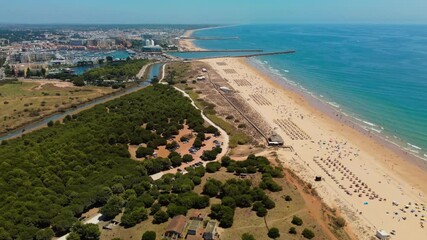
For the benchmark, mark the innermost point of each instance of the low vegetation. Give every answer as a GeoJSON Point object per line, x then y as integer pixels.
{"type": "Point", "coordinates": [25, 101]}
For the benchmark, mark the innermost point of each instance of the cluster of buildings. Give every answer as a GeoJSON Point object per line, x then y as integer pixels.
{"type": "Point", "coordinates": [91, 44]}
{"type": "Point", "coordinates": [70, 46]}
{"type": "Point", "coordinates": [151, 47]}
{"type": "Point", "coordinates": [193, 228]}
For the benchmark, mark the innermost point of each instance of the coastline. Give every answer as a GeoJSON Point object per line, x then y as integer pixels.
{"type": "Point", "coordinates": [390, 175]}
{"type": "Point", "coordinates": [189, 44]}
{"type": "Point", "coordinates": [386, 167]}
{"type": "Point", "coordinates": [397, 157]}
{"type": "Point", "coordinates": [324, 108]}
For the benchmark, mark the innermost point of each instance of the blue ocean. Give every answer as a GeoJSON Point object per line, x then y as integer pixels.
{"type": "Point", "coordinates": [375, 73]}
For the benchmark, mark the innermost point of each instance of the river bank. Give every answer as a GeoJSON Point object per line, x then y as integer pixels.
{"type": "Point", "coordinates": [61, 113]}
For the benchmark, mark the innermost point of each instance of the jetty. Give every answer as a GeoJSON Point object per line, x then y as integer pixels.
{"type": "Point", "coordinates": [220, 50]}
{"type": "Point", "coordinates": [247, 55]}
{"type": "Point", "coordinates": [210, 38]}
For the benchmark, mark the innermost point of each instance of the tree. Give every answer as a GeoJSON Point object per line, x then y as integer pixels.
{"type": "Point", "coordinates": [109, 59]}
{"type": "Point", "coordinates": [262, 212]}
{"type": "Point", "coordinates": [149, 235]}
{"type": "Point", "coordinates": [292, 230]}
{"type": "Point", "coordinates": [155, 208]}
{"type": "Point", "coordinates": [78, 82]}
{"type": "Point", "coordinates": [226, 161]}
{"type": "Point", "coordinates": [247, 236]}
{"type": "Point", "coordinates": [212, 188]}
{"type": "Point", "coordinates": [63, 222]}
{"type": "Point", "coordinates": [73, 236]}
{"type": "Point", "coordinates": [175, 210]}
{"type": "Point", "coordinates": [213, 167]}
{"type": "Point", "coordinates": [257, 205]}
{"type": "Point", "coordinates": [243, 201]}
{"type": "Point", "coordinates": [160, 217]}
{"type": "Point", "coordinates": [228, 201]}
{"type": "Point", "coordinates": [197, 143]}
{"type": "Point", "coordinates": [197, 180]}
{"type": "Point", "coordinates": [144, 152]}
{"type": "Point", "coordinates": [297, 221]}
{"type": "Point", "coordinates": [85, 231]}
{"type": "Point", "coordinates": [307, 233]}
{"type": "Point", "coordinates": [268, 203]}
{"type": "Point", "coordinates": [132, 217]}
{"type": "Point", "coordinates": [176, 161]}
{"type": "Point", "coordinates": [187, 158]}
{"type": "Point", "coordinates": [273, 233]}
{"type": "Point", "coordinates": [43, 72]}
{"type": "Point", "coordinates": [201, 202]}
{"type": "Point", "coordinates": [112, 208]}
{"type": "Point", "coordinates": [172, 146]}
{"type": "Point", "coordinates": [4, 235]}
{"type": "Point", "coordinates": [44, 234]}
{"type": "Point", "coordinates": [50, 123]}
{"type": "Point", "coordinates": [29, 73]}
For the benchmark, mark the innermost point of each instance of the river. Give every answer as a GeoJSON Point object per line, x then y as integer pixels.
{"type": "Point", "coordinates": [154, 70]}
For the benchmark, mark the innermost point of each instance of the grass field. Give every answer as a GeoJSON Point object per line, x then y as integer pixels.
{"type": "Point", "coordinates": [24, 101]}
{"type": "Point", "coordinates": [245, 220]}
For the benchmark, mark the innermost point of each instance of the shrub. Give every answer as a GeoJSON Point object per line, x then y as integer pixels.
{"type": "Point", "coordinates": [292, 230]}
{"type": "Point", "coordinates": [149, 235]}
{"type": "Point", "coordinates": [273, 233]}
{"type": "Point", "coordinates": [288, 198]}
{"type": "Point", "coordinates": [247, 236]}
{"type": "Point", "coordinates": [307, 233]}
{"type": "Point", "coordinates": [297, 221]}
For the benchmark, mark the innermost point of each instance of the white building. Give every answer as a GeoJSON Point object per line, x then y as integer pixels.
{"type": "Point", "coordinates": [149, 43]}
{"type": "Point", "coordinates": [382, 235]}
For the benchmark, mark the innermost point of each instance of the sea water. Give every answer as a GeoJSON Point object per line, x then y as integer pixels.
{"type": "Point", "coordinates": [375, 73]}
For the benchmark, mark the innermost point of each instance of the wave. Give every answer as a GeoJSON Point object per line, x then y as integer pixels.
{"type": "Point", "coordinates": [334, 104]}
{"type": "Point", "coordinates": [376, 130]}
{"type": "Point", "coordinates": [364, 124]}
{"type": "Point", "coordinates": [414, 146]}
{"type": "Point", "coordinates": [369, 123]}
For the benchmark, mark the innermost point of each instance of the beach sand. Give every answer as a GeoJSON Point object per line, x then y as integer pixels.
{"type": "Point", "coordinates": [188, 44]}
{"type": "Point", "coordinates": [360, 176]}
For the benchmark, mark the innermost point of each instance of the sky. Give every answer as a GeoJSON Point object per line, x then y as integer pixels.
{"type": "Point", "coordinates": [213, 11]}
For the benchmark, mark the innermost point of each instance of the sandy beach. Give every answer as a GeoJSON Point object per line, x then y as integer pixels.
{"type": "Point", "coordinates": [372, 186]}
{"type": "Point", "coordinates": [188, 44]}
